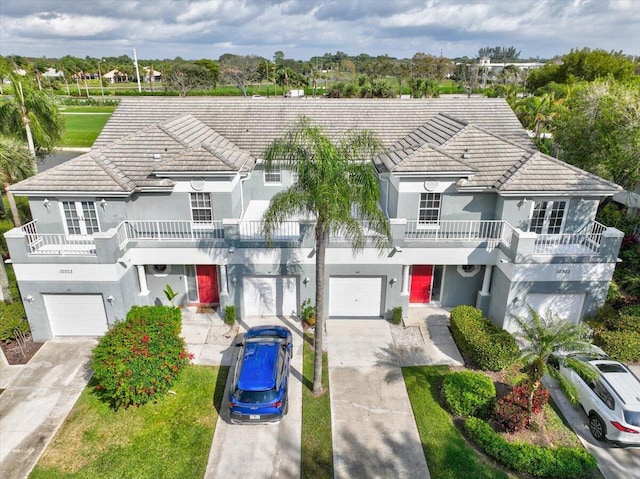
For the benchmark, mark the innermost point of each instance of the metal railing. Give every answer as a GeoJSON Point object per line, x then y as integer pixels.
{"type": "Point", "coordinates": [585, 242]}
{"type": "Point", "coordinates": [57, 244]}
{"type": "Point", "coordinates": [473, 230]}
{"type": "Point", "coordinates": [253, 230]}
{"type": "Point", "coordinates": [168, 230]}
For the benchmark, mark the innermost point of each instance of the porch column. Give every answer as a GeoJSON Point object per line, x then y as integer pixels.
{"type": "Point", "coordinates": [486, 282]}
{"type": "Point", "coordinates": [223, 279]}
{"type": "Point", "coordinates": [142, 279]}
{"type": "Point", "coordinates": [405, 280]}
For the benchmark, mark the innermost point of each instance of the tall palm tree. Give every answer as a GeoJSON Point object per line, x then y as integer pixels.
{"type": "Point", "coordinates": [33, 109]}
{"type": "Point", "coordinates": [15, 164]}
{"type": "Point", "coordinates": [337, 185]}
{"type": "Point", "coordinates": [544, 336]}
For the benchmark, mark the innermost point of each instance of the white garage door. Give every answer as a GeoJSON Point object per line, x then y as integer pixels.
{"type": "Point", "coordinates": [76, 314]}
{"type": "Point", "coordinates": [270, 296]}
{"type": "Point", "coordinates": [355, 297]}
{"type": "Point", "coordinates": [566, 306]}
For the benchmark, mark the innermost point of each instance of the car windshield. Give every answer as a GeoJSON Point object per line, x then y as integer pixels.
{"type": "Point", "coordinates": [632, 417]}
{"type": "Point", "coordinates": [255, 397]}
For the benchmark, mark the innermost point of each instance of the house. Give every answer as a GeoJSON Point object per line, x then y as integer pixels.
{"type": "Point", "coordinates": [151, 75]}
{"type": "Point", "coordinates": [174, 189]}
{"type": "Point", "coordinates": [53, 73]}
{"type": "Point", "coordinates": [115, 76]}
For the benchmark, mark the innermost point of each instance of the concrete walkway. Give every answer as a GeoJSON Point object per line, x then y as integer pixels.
{"type": "Point", "coordinates": [374, 430]}
{"type": "Point", "coordinates": [38, 400]}
{"type": "Point", "coordinates": [259, 451]}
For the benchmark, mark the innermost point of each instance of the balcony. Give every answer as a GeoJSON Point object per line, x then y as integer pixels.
{"type": "Point", "coordinates": [494, 231]}
{"type": "Point", "coordinates": [585, 242]}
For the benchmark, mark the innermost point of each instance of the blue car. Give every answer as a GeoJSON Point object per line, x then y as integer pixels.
{"type": "Point", "coordinates": [261, 379]}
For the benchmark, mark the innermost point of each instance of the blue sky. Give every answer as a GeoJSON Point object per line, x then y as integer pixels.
{"type": "Point", "coordinates": [304, 28]}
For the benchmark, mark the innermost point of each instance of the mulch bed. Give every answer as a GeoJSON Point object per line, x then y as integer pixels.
{"type": "Point", "coordinates": [15, 355]}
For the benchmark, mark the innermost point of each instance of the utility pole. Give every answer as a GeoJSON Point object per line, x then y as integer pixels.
{"type": "Point", "coordinates": [135, 62]}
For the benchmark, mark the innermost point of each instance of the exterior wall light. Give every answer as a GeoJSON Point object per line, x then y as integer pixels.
{"type": "Point", "coordinates": [46, 203]}
{"type": "Point", "coordinates": [111, 299]}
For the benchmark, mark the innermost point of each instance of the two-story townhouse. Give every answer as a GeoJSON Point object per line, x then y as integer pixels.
{"type": "Point", "coordinates": [173, 192]}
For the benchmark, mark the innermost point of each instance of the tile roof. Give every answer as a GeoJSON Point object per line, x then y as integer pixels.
{"type": "Point", "coordinates": [149, 138]}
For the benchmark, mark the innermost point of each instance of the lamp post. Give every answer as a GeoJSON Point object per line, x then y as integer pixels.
{"type": "Point", "coordinates": [100, 75]}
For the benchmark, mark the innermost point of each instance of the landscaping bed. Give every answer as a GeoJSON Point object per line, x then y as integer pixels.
{"type": "Point", "coordinates": [20, 354]}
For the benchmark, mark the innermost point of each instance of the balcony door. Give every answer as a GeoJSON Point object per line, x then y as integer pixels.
{"type": "Point", "coordinates": [547, 217]}
{"type": "Point", "coordinates": [80, 218]}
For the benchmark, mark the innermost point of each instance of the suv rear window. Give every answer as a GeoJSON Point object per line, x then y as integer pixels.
{"type": "Point", "coordinates": [254, 396]}
{"type": "Point", "coordinates": [632, 417]}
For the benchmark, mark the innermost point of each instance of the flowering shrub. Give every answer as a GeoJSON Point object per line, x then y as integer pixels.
{"type": "Point", "coordinates": [512, 410]}
{"type": "Point", "coordinates": [138, 359]}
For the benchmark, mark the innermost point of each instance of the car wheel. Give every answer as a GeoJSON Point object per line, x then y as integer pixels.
{"type": "Point", "coordinates": [597, 427]}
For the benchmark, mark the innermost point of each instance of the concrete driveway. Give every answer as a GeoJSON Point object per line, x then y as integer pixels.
{"type": "Point", "coordinates": [374, 430]}
{"type": "Point", "coordinates": [261, 450]}
{"type": "Point", "coordinates": [38, 400]}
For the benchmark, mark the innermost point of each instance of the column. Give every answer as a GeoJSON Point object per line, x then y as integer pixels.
{"type": "Point", "coordinates": [223, 280]}
{"type": "Point", "coordinates": [142, 279]}
{"type": "Point", "coordinates": [486, 281]}
{"type": "Point", "coordinates": [405, 280]}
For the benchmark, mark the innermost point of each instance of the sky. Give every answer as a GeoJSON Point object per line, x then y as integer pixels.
{"type": "Point", "coordinates": [193, 29]}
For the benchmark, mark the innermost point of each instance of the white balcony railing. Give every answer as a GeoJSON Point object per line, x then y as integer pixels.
{"type": "Point", "coordinates": [168, 230]}
{"type": "Point", "coordinates": [586, 242]}
{"type": "Point", "coordinates": [57, 244]}
{"type": "Point", "coordinates": [475, 230]}
{"type": "Point", "coordinates": [253, 230]}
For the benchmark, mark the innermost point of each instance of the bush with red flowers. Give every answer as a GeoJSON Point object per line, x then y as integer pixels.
{"type": "Point", "coordinates": [138, 359]}
{"type": "Point", "coordinates": [512, 410]}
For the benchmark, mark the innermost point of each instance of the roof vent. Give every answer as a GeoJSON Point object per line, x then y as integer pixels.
{"type": "Point", "coordinates": [465, 154]}
{"type": "Point", "coordinates": [157, 156]}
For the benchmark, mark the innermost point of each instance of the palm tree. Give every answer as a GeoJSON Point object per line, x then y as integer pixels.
{"type": "Point", "coordinates": [545, 336]}
{"type": "Point", "coordinates": [15, 164]}
{"type": "Point", "coordinates": [31, 110]}
{"type": "Point", "coordinates": [338, 186]}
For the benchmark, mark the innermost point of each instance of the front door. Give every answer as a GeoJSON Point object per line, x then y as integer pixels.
{"type": "Point", "coordinates": [421, 280]}
{"type": "Point", "coordinates": [207, 283]}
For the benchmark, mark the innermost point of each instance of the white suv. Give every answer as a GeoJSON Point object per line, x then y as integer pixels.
{"type": "Point", "coordinates": [612, 401]}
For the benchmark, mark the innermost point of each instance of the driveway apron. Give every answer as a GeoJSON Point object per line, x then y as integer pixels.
{"type": "Point", "coordinates": [261, 451]}
{"type": "Point", "coordinates": [374, 430]}
{"type": "Point", "coordinates": [37, 402]}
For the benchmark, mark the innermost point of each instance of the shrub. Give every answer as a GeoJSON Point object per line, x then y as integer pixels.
{"type": "Point", "coordinates": [138, 359]}
{"type": "Point", "coordinates": [561, 462]}
{"type": "Point", "coordinates": [512, 410]}
{"type": "Point", "coordinates": [480, 341]}
{"type": "Point", "coordinates": [230, 315]}
{"type": "Point", "coordinates": [622, 345]}
{"type": "Point", "coordinates": [396, 315]}
{"type": "Point", "coordinates": [12, 322]}
{"type": "Point", "coordinates": [468, 393]}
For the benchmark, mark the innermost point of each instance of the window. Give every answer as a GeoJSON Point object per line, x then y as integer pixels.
{"type": "Point", "coordinates": [80, 217]}
{"type": "Point", "coordinates": [547, 217]}
{"type": "Point", "coordinates": [201, 207]}
{"type": "Point", "coordinates": [429, 209]}
{"type": "Point", "coordinates": [273, 175]}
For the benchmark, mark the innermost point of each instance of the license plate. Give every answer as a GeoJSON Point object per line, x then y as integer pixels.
{"type": "Point", "coordinates": [254, 416]}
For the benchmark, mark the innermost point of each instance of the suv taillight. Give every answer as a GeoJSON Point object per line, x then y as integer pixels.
{"type": "Point", "coordinates": [277, 404]}
{"type": "Point", "coordinates": [622, 428]}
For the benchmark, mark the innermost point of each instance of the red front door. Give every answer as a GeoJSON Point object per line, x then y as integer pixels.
{"type": "Point", "coordinates": [207, 283]}
{"type": "Point", "coordinates": [421, 279]}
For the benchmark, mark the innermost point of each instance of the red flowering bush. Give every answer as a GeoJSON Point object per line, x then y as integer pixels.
{"type": "Point", "coordinates": [138, 359]}
{"type": "Point", "coordinates": [512, 410]}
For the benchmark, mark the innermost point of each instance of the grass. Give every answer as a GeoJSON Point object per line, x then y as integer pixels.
{"type": "Point", "coordinates": [87, 109]}
{"type": "Point", "coordinates": [317, 451]}
{"type": "Point", "coordinates": [168, 439]}
{"type": "Point", "coordinates": [448, 454]}
{"type": "Point", "coordinates": [82, 130]}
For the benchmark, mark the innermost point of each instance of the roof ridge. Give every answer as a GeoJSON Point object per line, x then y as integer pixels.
{"type": "Point", "coordinates": [515, 170]}
{"type": "Point", "coordinates": [111, 169]}
{"type": "Point", "coordinates": [162, 126]}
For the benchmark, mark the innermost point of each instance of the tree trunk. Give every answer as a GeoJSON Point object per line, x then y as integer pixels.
{"type": "Point", "coordinates": [4, 284]}
{"type": "Point", "coordinates": [320, 316]}
{"type": "Point", "coordinates": [12, 206]}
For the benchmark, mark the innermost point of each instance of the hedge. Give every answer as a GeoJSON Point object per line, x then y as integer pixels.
{"type": "Point", "coordinates": [539, 461]}
{"type": "Point", "coordinates": [480, 341]}
{"type": "Point", "coordinates": [468, 393]}
{"type": "Point", "coordinates": [622, 345]}
{"type": "Point", "coordinates": [139, 358]}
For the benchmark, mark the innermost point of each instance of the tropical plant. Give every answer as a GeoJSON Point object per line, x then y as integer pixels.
{"type": "Point", "coordinates": [31, 112]}
{"type": "Point", "coordinates": [545, 336]}
{"type": "Point", "coordinates": [336, 187]}
{"type": "Point", "coordinates": [170, 293]}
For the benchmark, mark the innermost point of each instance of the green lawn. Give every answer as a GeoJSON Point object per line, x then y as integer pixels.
{"type": "Point", "coordinates": [87, 109]}
{"type": "Point", "coordinates": [169, 439]}
{"type": "Point", "coordinates": [317, 452]}
{"type": "Point", "coordinates": [448, 454]}
{"type": "Point", "coordinates": [83, 129]}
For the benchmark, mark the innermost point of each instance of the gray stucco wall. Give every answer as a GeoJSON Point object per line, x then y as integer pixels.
{"type": "Point", "coordinates": [458, 289]}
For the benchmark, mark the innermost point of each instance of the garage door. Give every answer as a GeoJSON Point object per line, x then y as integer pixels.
{"type": "Point", "coordinates": [270, 296]}
{"type": "Point", "coordinates": [566, 306]}
{"type": "Point", "coordinates": [76, 314]}
{"type": "Point", "coordinates": [355, 297]}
